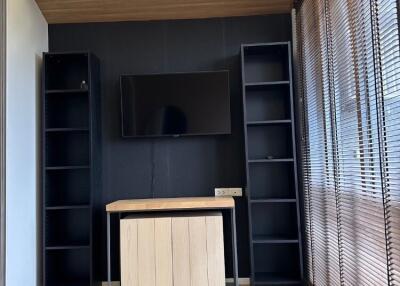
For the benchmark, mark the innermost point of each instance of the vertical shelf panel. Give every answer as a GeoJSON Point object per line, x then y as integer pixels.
{"type": "Point", "coordinates": [70, 165]}
{"type": "Point", "coordinates": [272, 191]}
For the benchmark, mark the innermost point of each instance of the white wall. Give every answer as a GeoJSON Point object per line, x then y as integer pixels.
{"type": "Point", "coordinates": [27, 38]}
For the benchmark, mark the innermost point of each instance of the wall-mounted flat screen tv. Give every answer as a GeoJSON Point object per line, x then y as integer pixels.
{"type": "Point", "coordinates": [175, 104]}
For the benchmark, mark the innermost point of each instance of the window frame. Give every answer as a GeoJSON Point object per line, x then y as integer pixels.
{"type": "Point", "coordinates": [3, 45]}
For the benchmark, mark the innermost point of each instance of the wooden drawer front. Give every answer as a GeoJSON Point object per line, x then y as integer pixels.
{"type": "Point", "coordinates": [180, 250]}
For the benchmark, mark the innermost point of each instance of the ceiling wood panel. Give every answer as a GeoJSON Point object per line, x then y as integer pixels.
{"type": "Point", "coordinates": [81, 11]}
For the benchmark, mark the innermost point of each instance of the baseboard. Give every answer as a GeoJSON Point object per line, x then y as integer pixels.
{"type": "Point", "coordinates": [242, 281]}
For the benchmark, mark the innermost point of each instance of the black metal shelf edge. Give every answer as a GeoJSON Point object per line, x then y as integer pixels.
{"type": "Point", "coordinates": [51, 91]}
{"type": "Point", "coordinates": [267, 83]}
{"type": "Point", "coordinates": [261, 201]}
{"type": "Point", "coordinates": [68, 247]}
{"type": "Point", "coordinates": [269, 122]}
{"type": "Point", "coordinates": [75, 283]}
{"type": "Point", "coordinates": [261, 239]}
{"type": "Point", "coordinates": [68, 167]}
{"type": "Point", "coordinates": [64, 53]}
{"type": "Point", "coordinates": [270, 160]}
{"type": "Point", "coordinates": [257, 45]}
{"type": "Point", "coordinates": [281, 282]}
{"type": "Point", "coordinates": [67, 129]}
{"type": "Point", "coordinates": [69, 207]}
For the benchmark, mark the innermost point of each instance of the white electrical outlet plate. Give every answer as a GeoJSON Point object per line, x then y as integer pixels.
{"type": "Point", "coordinates": [228, 192]}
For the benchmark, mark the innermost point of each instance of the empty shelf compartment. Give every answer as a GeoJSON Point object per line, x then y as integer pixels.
{"type": "Point", "coordinates": [272, 181]}
{"type": "Point", "coordinates": [277, 264]}
{"type": "Point", "coordinates": [266, 63]}
{"type": "Point", "coordinates": [268, 103]}
{"type": "Point", "coordinates": [67, 187]}
{"type": "Point", "coordinates": [68, 267]}
{"type": "Point", "coordinates": [67, 149]}
{"type": "Point", "coordinates": [66, 71]}
{"type": "Point", "coordinates": [67, 110]}
{"type": "Point", "coordinates": [67, 228]}
{"type": "Point", "coordinates": [269, 142]}
{"type": "Point", "coordinates": [272, 220]}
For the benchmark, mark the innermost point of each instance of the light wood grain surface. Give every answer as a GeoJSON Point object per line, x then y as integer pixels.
{"type": "Point", "coordinates": [215, 250]}
{"type": "Point", "coordinates": [198, 251]}
{"type": "Point", "coordinates": [146, 252]}
{"type": "Point", "coordinates": [128, 244]}
{"type": "Point", "coordinates": [81, 11]}
{"type": "Point", "coordinates": [181, 250]}
{"type": "Point", "coordinates": [163, 247]}
{"type": "Point", "coordinates": [168, 204]}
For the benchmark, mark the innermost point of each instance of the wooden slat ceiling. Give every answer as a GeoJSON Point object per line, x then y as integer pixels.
{"type": "Point", "coordinates": [81, 11]}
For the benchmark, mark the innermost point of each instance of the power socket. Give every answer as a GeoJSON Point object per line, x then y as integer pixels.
{"type": "Point", "coordinates": [228, 192]}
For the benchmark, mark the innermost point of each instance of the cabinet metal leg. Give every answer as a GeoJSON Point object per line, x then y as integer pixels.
{"type": "Point", "coordinates": [108, 250]}
{"type": "Point", "coordinates": [234, 248]}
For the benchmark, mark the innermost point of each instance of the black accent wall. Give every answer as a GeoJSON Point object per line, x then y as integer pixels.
{"type": "Point", "coordinates": [171, 167]}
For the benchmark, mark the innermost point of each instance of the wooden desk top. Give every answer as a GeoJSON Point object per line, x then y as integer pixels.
{"type": "Point", "coordinates": [146, 205]}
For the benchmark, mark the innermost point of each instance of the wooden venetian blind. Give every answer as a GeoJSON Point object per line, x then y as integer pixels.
{"type": "Point", "coordinates": [387, 66]}
{"type": "Point", "coordinates": [350, 94]}
{"type": "Point", "coordinates": [321, 209]}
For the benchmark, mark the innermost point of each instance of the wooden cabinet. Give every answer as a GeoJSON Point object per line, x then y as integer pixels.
{"type": "Point", "coordinates": [172, 250]}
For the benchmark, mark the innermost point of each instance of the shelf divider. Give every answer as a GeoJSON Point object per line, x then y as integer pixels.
{"type": "Point", "coordinates": [67, 130]}
{"type": "Point", "coordinates": [67, 247]}
{"type": "Point", "coordinates": [261, 201]}
{"type": "Point", "coordinates": [283, 160]}
{"type": "Point", "coordinates": [272, 240]}
{"type": "Point", "coordinates": [68, 207]}
{"type": "Point", "coordinates": [267, 83]}
{"type": "Point", "coordinates": [269, 122]}
{"type": "Point", "coordinates": [67, 167]}
{"type": "Point", "coordinates": [52, 91]}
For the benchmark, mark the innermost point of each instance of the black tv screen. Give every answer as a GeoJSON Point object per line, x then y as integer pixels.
{"type": "Point", "coordinates": [175, 104]}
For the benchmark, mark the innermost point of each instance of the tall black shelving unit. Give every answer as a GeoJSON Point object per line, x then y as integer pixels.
{"type": "Point", "coordinates": [70, 167]}
{"type": "Point", "coordinates": [272, 190]}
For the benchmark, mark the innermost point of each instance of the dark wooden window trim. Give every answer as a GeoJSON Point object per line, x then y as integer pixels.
{"type": "Point", "coordinates": [2, 140]}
